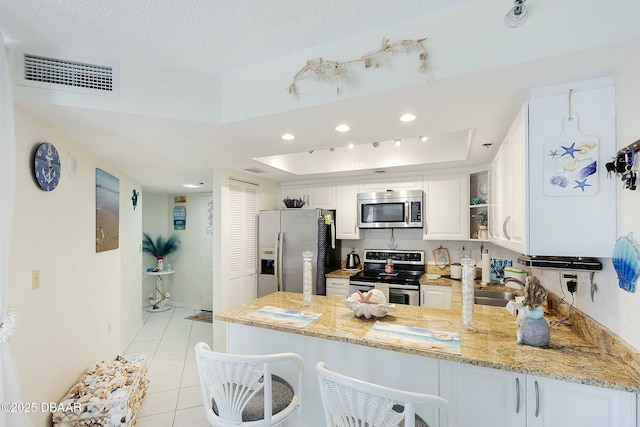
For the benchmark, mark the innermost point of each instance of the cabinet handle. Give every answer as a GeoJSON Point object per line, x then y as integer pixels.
{"type": "Point", "coordinates": [537, 399]}
{"type": "Point", "coordinates": [504, 228]}
{"type": "Point", "coordinates": [517, 395]}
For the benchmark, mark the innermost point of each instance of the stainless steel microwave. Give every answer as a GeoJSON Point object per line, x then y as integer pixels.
{"type": "Point", "coordinates": [390, 209]}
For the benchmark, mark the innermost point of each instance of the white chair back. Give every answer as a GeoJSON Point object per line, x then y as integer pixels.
{"type": "Point", "coordinates": [350, 402]}
{"type": "Point", "coordinates": [241, 390]}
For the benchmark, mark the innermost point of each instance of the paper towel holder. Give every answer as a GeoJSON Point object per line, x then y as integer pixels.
{"type": "Point", "coordinates": [485, 264]}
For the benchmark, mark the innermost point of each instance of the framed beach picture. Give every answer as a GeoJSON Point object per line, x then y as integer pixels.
{"type": "Point", "coordinates": [107, 211]}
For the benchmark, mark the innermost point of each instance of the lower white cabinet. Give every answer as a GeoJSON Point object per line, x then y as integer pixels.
{"type": "Point", "coordinates": [337, 287]}
{"type": "Point", "coordinates": [435, 296]}
{"type": "Point", "coordinates": [484, 397]}
{"type": "Point", "coordinates": [553, 403]}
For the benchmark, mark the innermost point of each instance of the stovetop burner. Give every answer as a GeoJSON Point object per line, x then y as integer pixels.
{"type": "Point", "coordinates": [408, 267]}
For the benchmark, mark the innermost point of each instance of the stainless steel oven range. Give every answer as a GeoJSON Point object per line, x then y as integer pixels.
{"type": "Point", "coordinates": [402, 274]}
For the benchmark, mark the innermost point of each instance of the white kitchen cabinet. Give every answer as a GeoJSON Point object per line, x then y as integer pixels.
{"type": "Point", "coordinates": [446, 208]}
{"type": "Point", "coordinates": [553, 403]}
{"type": "Point", "coordinates": [484, 397]}
{"type": "Point", "coordinates": [391, 184]}
{"type": "Point", "coordinates": [337, 287]}
{"type": "Point", "coordinates": [347, 211]}
{"type": "Point", "coordinates": [508, 176]}
{"type": "Point", "coordinates": [575, 224]}
{"type": "Point", "coordinates": [322, 196]}
{"type": "Point", "coordinates": [527, 212]}
{"type": "Point", "coordinates": [435, 296]}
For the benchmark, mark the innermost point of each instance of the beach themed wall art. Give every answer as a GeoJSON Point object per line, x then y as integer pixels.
{"type": "Point", "coordinates": [571, 162]}
{"type": "Point", "coordinates": [626, 261]}
{"type": "Point", "coordinates": [107, 211]}
{"type": "Point", "coordinates": [179, 218]}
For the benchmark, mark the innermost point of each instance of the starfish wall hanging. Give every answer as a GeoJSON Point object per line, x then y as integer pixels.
{"type": "Point", "coordinates": [338, 72]}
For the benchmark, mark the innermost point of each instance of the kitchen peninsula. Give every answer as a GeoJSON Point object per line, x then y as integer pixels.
{"type": "Point", "coordinates": [569, 366]}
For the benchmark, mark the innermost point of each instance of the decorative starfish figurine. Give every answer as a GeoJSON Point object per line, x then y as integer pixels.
{"type": "Point", "coordinates": [582, 184]}
{"type": "Point", "coordinates": [553, 153]}
{"type": "Point", "coordinates": [363, 298]}
{"type": "Point", "coordinates": [569, 150]}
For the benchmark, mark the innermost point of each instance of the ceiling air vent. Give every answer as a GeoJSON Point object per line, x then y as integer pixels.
{"type": "Point", "coordinates": [58, 73]}
{"type": "Point", "coordinates": [255, 170]}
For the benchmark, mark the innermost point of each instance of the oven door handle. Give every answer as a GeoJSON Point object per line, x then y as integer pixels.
{"type": "Point", "coordinates": [356, 283]}
{"type": "Point", "coordinates": [391, 285]}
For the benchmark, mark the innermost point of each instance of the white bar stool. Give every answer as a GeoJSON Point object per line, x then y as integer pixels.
{"type": "Point", "coordinates": [351, 402]}
{"type": "Point", "coordinates": [241, 390]}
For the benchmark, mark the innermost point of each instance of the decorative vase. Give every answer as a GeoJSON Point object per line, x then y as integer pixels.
{"type": "Point", "coordinates": [468, 278]}
{"type": "Point", "coordinates": [160, 263]}
{"type": "Point", "coordinates": [307, 270]}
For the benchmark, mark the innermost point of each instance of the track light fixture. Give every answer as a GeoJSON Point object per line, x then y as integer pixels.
{"type": "Point", "coordinates": [517, 16]}
{"type": "Point", "coordinates": [375, 144]}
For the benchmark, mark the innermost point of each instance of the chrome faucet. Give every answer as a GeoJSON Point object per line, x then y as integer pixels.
{"type": "Point", "coordinates": [512, 279]}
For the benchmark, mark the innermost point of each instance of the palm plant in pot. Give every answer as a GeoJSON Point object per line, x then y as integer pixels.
{"type": "Point", "coordinates": [160, 248]}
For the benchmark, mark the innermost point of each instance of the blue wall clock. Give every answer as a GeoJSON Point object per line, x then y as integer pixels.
{"type": "Point", "coordinates": [47, 166]}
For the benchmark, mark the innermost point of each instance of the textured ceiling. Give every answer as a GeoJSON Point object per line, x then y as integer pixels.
{"type": "Point", "coordinates": [205, 35]}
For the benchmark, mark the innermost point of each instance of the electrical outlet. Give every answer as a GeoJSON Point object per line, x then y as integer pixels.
{"type": "Point", "coordinates": [569, 282]}
{"type": "Point", "coordinates": [35, 279]}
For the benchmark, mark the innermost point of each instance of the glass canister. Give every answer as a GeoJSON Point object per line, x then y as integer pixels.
{"type": "Point", "coordinates": [307, 277]}
{"type": "Point", "coordinates": [468, 278]}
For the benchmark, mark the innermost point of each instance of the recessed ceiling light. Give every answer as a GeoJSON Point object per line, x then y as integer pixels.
{"type": "Point", "coordinates": [407, 117]}
{"type": "Point", "coordinates": [288, 137]}
{"type": "Point", "coordinates": [424, 138]}
{"type": "Point", "coordinates": [343, 128]}
{"type": "Point", "coordinates": [397, 142]}
{"type": "Point", "coordinates": [350, 145]}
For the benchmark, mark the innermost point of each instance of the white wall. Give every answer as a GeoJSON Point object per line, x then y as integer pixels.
{"type": "Point", "coordinates": [87, 308]}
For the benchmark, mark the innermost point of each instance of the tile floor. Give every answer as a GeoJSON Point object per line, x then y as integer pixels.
{"type": "Point", "coordinates": [174, 398]}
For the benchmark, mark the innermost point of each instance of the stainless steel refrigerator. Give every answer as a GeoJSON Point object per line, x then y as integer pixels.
{"type": "Point", "coordinates": [283, 235]}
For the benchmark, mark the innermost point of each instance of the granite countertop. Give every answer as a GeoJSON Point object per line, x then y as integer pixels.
{"type": "Point", "coordinates": [341, 273]}
{"type": "Point", "coordinates": [568, 357]}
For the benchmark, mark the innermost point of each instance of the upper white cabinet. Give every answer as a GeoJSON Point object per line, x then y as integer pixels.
{"type": "Point", "coordinates": [507, 214]}
{"type": "Point", "coordinates": [347, 211]}
{"type": "Point", "coordinates": [446, 208]}
{"type": "Point", "coordinates": [581, 222]}
{"type": "Point", "coordinates": [391, 184]}
{"type": "Point", "coordinates": [549, 192]}
{"type": "Point", "coordinates": [321, 196]}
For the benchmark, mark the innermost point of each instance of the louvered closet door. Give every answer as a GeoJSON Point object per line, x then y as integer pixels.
{"type": "Point", "coordinates": [242, 242]}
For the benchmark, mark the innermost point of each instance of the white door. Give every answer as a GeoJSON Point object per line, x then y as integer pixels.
{"type": "Point", "coordinates": [205, 252]}
{"type": "Point", "coordinates": [242, 247]}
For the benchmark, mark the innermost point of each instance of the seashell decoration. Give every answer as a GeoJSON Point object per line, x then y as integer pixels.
{"type": "Point", "coordinates": [369, 304]}
{"type": "Point", "coordinates": [626, 261]}
{"type": "Point", "coordinates": [109, 394]}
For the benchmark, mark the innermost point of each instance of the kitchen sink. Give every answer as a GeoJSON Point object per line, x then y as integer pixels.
{"type": "Point", "coordinates": [495, 298]}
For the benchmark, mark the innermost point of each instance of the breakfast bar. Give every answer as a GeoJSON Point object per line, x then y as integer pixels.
{"type": "Point", "coordinates": [342, 340]}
